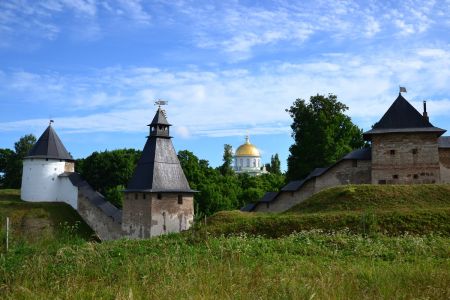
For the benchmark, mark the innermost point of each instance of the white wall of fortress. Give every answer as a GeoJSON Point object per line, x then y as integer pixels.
{"type": "Point", "coordinates": [40, 182]}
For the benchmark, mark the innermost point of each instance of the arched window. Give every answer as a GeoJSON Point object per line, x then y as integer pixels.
{"type": "Point", "coordinates": [254, 163]}
{"type": "Point", "coordinates": [248, 162]}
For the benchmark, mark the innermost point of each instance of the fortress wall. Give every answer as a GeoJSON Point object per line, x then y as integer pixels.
{"type": "Point", "coordinates": [444, 163]}
{"type": "Point", "coordinates": [105, 226]}
{"type": "Point", "coordinates": [345, 172]}
{"type": "Point", "coordinates": [144, 215]}
{"type": "Point", "coordinates": [67, 192]}
{"type": "Point", "coordinates": [405, 158]}
{"type": "Point", "coordinates": [286, 200]}
{"type": "Point", "coordinates": [171, 215]}
{"type": "Point", "coordinates": [137, 211]}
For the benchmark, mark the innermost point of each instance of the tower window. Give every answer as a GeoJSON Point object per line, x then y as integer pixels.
{"type": "Point", "coordinates": [354, 163]}
{"type": "Point", "coordinates": [415, 176]}
{"type": "Point", "coordinates": [382, 181]}
{"type": "Point", "coordinates": [414, 151]}
{"type": "Point", "coordinates": [395, 176]}
{"type": "Point", "coordinates": [180, 199]}
{"type": "Point", "coordinates": [159, 196]}
{"type": "Point", "coordinates": [135, 196]}
{"type": "Point", "coordinates": [392, 152]}
{"type": "Point", "coordinates": [143, 195]}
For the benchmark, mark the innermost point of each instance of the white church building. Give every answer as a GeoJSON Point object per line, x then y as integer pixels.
{"type": "Point", "coordinates": [247, 159]}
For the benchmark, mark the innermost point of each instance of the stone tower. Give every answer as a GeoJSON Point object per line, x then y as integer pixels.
{"type": "Point", "coordinates": [46, 161]}
{"type": "Point", "coordinates": [158, 198]}
{"type": "Point", "coordinates": [404, 146]}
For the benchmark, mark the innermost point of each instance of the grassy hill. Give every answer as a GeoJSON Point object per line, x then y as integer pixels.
{"type": "Point", "coordinates": [205, 264]}
{"type": "Point", "coordinates": [39, 221]}
{"type": "Point", "coordinates": [366, 209]}
{"type": "Point", "coordinates": [377, 198]}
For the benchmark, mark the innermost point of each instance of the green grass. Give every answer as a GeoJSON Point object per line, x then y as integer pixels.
{"type": "Point", "coordinates": [377, 198]}
{"type": "Point", "coordinates": [352, 247]}
{"type": "Point", "coordinates": [34, 221]}
{"type": "Point", "coordinates": [362, 209]}
{"type": "Point", "coordinates": [305, 265]}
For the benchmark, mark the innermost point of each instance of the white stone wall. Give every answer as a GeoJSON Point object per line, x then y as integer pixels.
{"type": "Point", "coordinates": [40, 179]}
{"type": "Point", "coordinates": [67, 192]}
{"type": "Point", "coordinates": [247, 163]}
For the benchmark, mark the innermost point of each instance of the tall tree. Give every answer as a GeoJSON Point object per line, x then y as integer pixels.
{"type": "Point", "coordinates": [11, 161]}
{"type": "Point", "coordinates": [322, 134]}
{"type": "Point", "coordinates": [275, 164]}
{"type": "Point", "coordinates": [226, 168]}
{"type": "Point", "coordinates": [107, 170]}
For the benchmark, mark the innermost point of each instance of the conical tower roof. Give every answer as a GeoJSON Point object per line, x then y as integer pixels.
{"type": "Point", "coordinates": [159, 170]}
{"type": "Point", "coordinates": [159, 118]}
{"type": "Point", "coordinates": [49, 145]}
{"type": "Point", "coordinates": [402, 117]}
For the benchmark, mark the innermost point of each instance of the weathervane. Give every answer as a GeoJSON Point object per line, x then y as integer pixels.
{"type": "Point", "coordinates": [50, 123]}
{"type": "Point", "coordinates": [402, 89]}
{"type": "Point", "coordinates": [160, 102]}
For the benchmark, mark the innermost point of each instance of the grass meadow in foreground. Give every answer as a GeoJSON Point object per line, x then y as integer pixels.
{"type": "Point", "coordinates": [305, 265]}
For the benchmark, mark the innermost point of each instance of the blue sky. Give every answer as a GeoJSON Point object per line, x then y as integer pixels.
{"type": "Point", "coordinates": [226, 67]}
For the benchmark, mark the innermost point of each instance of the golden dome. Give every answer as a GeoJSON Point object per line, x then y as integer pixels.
{"type": "Point", "coordinates": [247, 149]}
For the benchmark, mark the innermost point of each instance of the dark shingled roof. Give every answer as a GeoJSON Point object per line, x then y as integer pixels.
{"type": "Point", "coordinates": [402, 117]}
{"type": "Point", "coordinates": [360, 154]}
{"type": "Point", "coordinates": [49, 146]}
{"type": "Point", "coordinates": [159, 118]}
{"type": "Point", "coordinates": [268, 197]}
{"type": "Point", "coordinates": [158, 169]}
{"type": "Point", "coordinates": [292, 186]}
{"type": "Point", "coordinates": [444, 142]}
{"type": "Point", "coordinates": [249, 207]}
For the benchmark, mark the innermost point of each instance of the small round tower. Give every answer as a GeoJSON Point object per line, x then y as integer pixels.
{"type": "Point", "coordinates": [47, 160]}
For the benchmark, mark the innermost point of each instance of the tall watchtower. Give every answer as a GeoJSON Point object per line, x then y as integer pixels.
{"type": "Point", "coordinates": [404, 146]}
{"type": "Point", "coordinates": [158, 198]}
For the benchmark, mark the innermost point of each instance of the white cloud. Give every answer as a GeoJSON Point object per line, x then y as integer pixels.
{"type": "Point", "coordinates": [227, 102]}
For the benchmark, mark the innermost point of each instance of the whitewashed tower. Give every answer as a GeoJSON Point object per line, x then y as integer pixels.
{"type": "Point", "coordinates": [42, 170]}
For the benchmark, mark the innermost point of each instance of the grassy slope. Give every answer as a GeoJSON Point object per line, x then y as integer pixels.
{"type": "Point", "coordinates": [377, 198]}
{"type": "Point", "coordinates": [43, 220]}
{"type": "Point", "coordinates": [367, 209]}
{"type": "Point", "coordinates": [301, 266]}
{"type": "Point", "coordinates": [199, 265]}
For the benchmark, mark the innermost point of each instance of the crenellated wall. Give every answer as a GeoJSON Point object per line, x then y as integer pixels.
{"type": "Point", "coordinates": [343, 172]}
